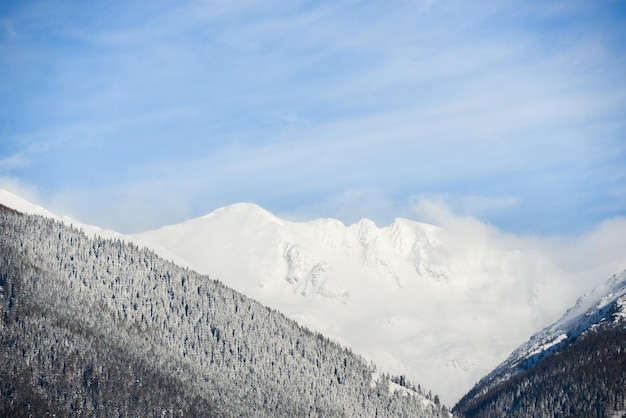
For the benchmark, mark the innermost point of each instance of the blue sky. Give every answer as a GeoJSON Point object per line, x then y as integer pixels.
{"type": "Point", "coordinates": [133, 115]}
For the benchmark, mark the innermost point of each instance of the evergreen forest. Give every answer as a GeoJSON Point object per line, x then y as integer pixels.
{"type": "Point", "coordinates": [101, 328]}
{"type": "Point", "coordinates": [584, 378]}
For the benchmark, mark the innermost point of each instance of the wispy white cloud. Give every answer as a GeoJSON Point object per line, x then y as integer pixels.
{"type": "Point", "coordinates": [574, 263]}
{"type": "Point", "coordinates": [12, 162]}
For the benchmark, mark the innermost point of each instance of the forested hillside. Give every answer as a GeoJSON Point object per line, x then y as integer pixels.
{"type": "Point", "coordinates": [573, 368]}
{"type": "Point", "coordinates": [94, 327]}
{"type": "Point", "coordinates": [584, 379]}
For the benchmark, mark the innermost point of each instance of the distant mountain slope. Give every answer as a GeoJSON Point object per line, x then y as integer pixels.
{"type": "Point", "coordinates": [96, 327]}
{"type": "Point", "coordinates": [22, 205]}
{"type": "Point", "coordinates": [413, 297]}
{"type": "Point", "coordinates": [19, 204]}
{"type": "Point", "coordinates": [574, 367]}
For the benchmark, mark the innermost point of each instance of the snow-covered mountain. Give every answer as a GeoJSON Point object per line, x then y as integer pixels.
{"type": "Point", "coordinates": [416, 299]}
{"type": "Point", "coordinates": [581, 357]}
{"type": "Point", "coordinates": [409, 296]}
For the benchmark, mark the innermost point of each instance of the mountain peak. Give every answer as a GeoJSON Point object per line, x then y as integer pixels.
{"type": "Point", "coordinates": [366, 223]}
{"type": "Point", "coordinates": [243, 212]}
{"type": "Point", "coordinates": [241, 207]}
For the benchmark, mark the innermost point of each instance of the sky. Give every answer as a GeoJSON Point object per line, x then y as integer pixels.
{"type": "Point", "coordinates": [134, 115]}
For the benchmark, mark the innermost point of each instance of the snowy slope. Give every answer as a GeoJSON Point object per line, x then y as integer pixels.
{"type": "Point", "coordinates": [19, 204]}
{"type": "Point", "coordinates": [573, 367]}
{"type": "Point", "coordinates": [606, 304]}
{"type": "Point", "coordinates": [22, 205]}
{"type": "Point", "coordinates": [407, 296]}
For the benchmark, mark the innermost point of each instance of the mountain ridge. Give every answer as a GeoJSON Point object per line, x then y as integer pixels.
{"type": "Point", "coordinates": [387, 281]}
{"type": "Point", "coordinates": [412, 297]}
